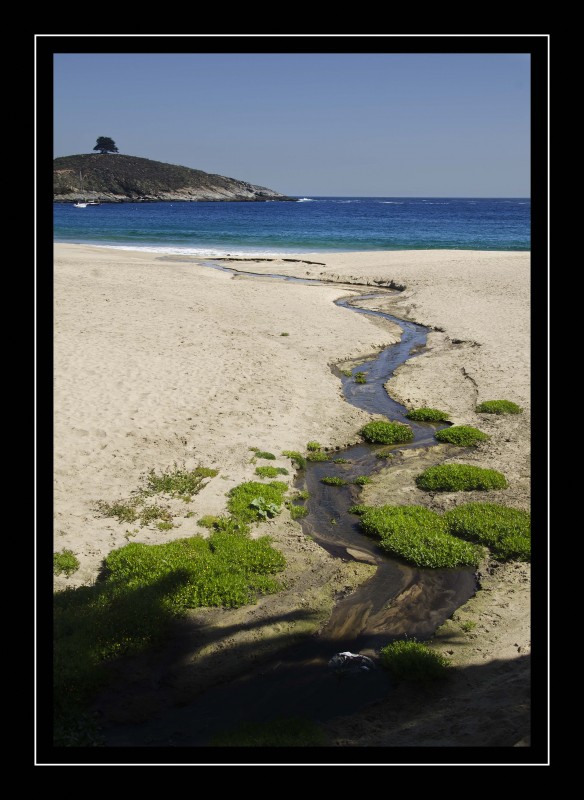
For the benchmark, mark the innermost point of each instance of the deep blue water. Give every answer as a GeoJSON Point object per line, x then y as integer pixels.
{"type": "Point", "coordinates": [319, 223]}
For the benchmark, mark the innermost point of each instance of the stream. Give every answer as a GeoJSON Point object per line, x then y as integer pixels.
{"type": "Point", "coordinates": [398, 600]}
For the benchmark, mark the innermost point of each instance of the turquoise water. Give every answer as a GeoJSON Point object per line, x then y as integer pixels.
{"type": "Point", "coordinates": [309, 224]}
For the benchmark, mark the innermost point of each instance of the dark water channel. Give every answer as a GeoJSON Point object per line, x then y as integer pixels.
{"type": "Point", "coordinates": [398, 600]}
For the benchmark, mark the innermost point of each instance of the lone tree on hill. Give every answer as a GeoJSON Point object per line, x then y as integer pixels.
{"type": "Point", "coordinates": [105, 145]}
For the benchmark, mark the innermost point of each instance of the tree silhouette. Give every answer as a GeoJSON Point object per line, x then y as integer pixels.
{"type": "Point", "coordinates": [105, 145]}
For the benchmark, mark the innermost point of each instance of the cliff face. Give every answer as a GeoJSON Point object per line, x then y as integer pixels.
{"type": "Point", "coordinates": [118, 178]}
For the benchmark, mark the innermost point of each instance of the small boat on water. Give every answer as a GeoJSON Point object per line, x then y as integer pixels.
{"type": "Point", "coordinates": [84, 202]}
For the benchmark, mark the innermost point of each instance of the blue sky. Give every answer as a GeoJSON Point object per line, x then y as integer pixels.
{"type": "Point", "coordinates": [310, 124]}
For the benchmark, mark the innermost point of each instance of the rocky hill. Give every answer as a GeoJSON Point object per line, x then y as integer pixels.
{"type": "Point", "coordinates": [115, 178]}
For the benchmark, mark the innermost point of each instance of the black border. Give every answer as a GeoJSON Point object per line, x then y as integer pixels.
{"type": "Point", "coordinates": [46, 46]}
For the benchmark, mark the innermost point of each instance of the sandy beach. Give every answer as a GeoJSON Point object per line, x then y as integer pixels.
{"type": "Point", "coordinates": [161, 360]}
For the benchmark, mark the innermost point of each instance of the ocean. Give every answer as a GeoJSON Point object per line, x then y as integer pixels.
{"type": "Point", "coordinates": [307, 225]}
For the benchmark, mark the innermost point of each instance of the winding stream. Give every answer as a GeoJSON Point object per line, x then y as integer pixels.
{"type": "Point", "coordinates": [398, 600]}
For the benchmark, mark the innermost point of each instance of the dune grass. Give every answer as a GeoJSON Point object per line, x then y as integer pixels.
{"type": "Point", "coordinates": [460, 478]}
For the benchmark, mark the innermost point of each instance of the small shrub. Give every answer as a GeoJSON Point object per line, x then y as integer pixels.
{"type": "Point", "coordinates": [419, 536]}
{"type": "Point", "coordinates": [462, 435]}
{"type": "Point", "coordinates": [164, 526]}
{"type": "Point", "coordinates": [346, 372]}
{"type": "Point", "coordinates": [409, 660]}
{"type": "Point", "coordinates": [505, 531]}
{"type": "Point", "coordinates": [498, 407]}
{"type": "Point", "coordinates": [362, 480]}
{"type": "Point", "coordinates": [360, 377]}
{"type": "Point", "coordinates": [333, 481]}
{"type": "Point", "coordinates": [460, 478]}
{"type": "Point", "coordinates": [468, 626]}
{"type": "Point", "coordinates": [296, 458]}
{"type": "Point", "coordinates": [387, 432]}
{"type": "Point", "coordinates": [317, 456]}
{"type": "Point", "coordinates": [123, 511]}
{"type": "Point", "coordinates": [357, 509]}
{"type": "Point", "coordinates": [270, 472]}
{"type": "Point", "coordinates": [303, 494]}
{"type": "Point", "coordinates": [427, 415]}
{"type": "Point", "coordinates": [277, 733]}
{"type": "Point", "coordinates": [313, 447]}
{"type": "Point", "coordinates": [253, 501]}
{"type": "Point", "coordinates": [180, 483]}
{"type": "Point", "coordinates": [154, 513]}
{"type": "Point", "coordinates": [65, 563]}
{"type": "Point", "coordinates": [264, 454]}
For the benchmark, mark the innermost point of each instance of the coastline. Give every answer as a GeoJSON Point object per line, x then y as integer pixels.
{"type": "Point", "coordinates": [161, 360]}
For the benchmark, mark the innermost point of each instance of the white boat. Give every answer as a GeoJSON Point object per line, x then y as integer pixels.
{"type": "Point", "coordinates": [81, 203]}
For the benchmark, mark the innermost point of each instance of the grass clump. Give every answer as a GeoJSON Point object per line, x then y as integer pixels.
{"type": "Point", "coordinates": [284, 334]}
{"type": "Point", "coordinates": [252, 501]}
{"type": "Point", "coordinates": [313, 447]}
{"type": "Point", "coordinates": [303, 494]}
{"type": "Point", "coordinates": [505, 531]}
{"type": "Point", "coordinates": [427, 415]}
{"type": "Point", "coordinates": [462, 435]}
{"type": "Point", "coordinates": [346, 372]}
{"type": "Point", "coordinates": [384, 454]}
{"type": "Point", "coordinates": [468, 626]}
{"type": "Point", "coordinates": [264, 454]}
{"type": "Point", "coordinates": [65, 563]}
{"type": "Point", "coordinates": [409, 660]}
{"type": "Point", "coordinates": [341, 461]}
{"type": "Point", "coordinates": [460, 478]}
{"type": "Point", "coordinates": [333, 481]}
{"type": "Point", "coordinates": [164, 526]}
{"type": "Point", "coordinates": [297, 512]}
{"type": "Point", "coordinates": [358, 509]}
{"type": "Point", "coordinates": [317, 456]}
{"type": "Point", "coordinates": [179, 483]}
{"type": "Point", "coordinates": [419, 536]}
{"type": "Point", "coordinates": [387, 432]}
{"type": "Point", "coordinates": [155, 513]}
{"type": "Point", "coordinates": [498, 407]}
{"type": "Point", "coordinates": [296, 458]}
{"type": "Point", "coordinates": [270, 472]}
{"type": "Point", "coordinates": [224, 524]}
{"type": "Point", "coordinates": [362, 480]}
{"type": "Point", "coordinates": [291, 732]}
{"type": "Point", "coordinates": [360, 377]}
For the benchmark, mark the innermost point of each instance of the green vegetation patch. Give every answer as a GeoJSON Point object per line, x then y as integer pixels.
{"type": "Point", "coordinates": [341, 461]}
{"type": "Point", "coordinates": [462, 435]}
{"type": "Point", "coordinates": [409, 660]}
{"type": "Point", "coordinates": [360, 377]}
{"type": "Point", "coordinates": [65, 563]}
{"type": "Point", "coordinates": [223, 523]}
{"type": "Point", "coordinates": [313, 447]}
{"type": "Point", "coordinates": [427, 415]}
{"type": "Point", "coordinates": [179, 483]}
{"type": "Point", "coordinates": [387, 432]}
{"type": "Point", "coordinates": [505, 531]}
{"type": "Point", "coordinates": [362, 480]}
{"type": "Point", "coordinates": [385, 454]}
{"type": "Point", "coordinates": [292, 732]}
{"type": "Point", "coordinates": [418, 535]}
{"type": "Point", "coordinates": [317, 456]}
{"type": "Point", "coordinates": [358, 509]}
{"type": "Point", "coordinates": [460, 478]}
{"type": "Point", "coordinates": [270, 472]}
{"type": "Point", "coordinates": [253, 501]}
{"type": "Point", "coordinates": [296, 458]}
{"type": "Point", "coordinates": [264, 454]}
{"type": "Point", "coordinates": [333, 480]}
{"type": "Point", "coordinates": [297, 512]}
{"type": "Point", "coordinates": [499, 407]}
